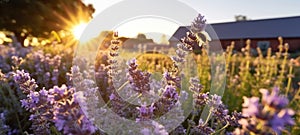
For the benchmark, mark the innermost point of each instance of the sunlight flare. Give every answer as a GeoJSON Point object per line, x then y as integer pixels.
{"type": "Point", "coordinates": [78, 29]}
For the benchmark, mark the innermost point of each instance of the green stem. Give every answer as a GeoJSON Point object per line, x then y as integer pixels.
{"type": "Point", "coordinates": [130, 101]}
{"type": "Point", "coordinates": [122, 86]}
{"type": "Point", "coordinates": [289, 81]}
{"type": "Point", "coordinates": [119, 89]}
{"type": "Point", "coordinates": [192, 119]}
{"type": "Point", "coordinates": [227, 124]}
{"type": "Point", "coordinates": [207, 119]}
{"type": "Point", "coordinates": [18, 120]}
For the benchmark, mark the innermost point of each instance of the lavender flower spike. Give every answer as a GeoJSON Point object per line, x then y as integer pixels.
{"type": "Point", "coordinates": [199, 24]}
{"type": "Point", "coordinates": [25, 82]}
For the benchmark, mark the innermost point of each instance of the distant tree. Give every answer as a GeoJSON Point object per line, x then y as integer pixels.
{"type": "Point", "coordinates": [240, 18]}
{"type": "Point", "coordinates": [40, 17]}
{"type": "Point", "coordinates": [141, 36]}
{"type": "Point", "coordinates": [163, 39]}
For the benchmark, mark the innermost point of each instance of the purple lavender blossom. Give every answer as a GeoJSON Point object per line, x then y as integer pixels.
{"type": "Point", "coordinates": [25, 82]}
{"type": "Point", "coordinates": [55, 75]}
{"type": "Point", "coordinates": [68, 117]}
{"type": "Point", "coordinates": [197, 36]}
{"type": "Point", "coordinates": [4, 129]}
{"type": "Point", "coordinates": [152, 127]}
{"type": "Point", "coordinates": [187, 45]}
{"type": "Point", "coordinates": [139, 81]}
{"type": "Point", "coordinates": [117, 104]}
{"type": "Point", "coordinates": [234, 118]}
{"type": "Point", "coordinates": [180, 58]}
{"type": "Point", "coordinates": [215, 101]}
{"type": "Point", "coordinates": [218, 109]}
{"type": "Point", "coordinates": [36, 102]}
{"type": "Point", "coordinates": [200, 99]}
{"type": "Point", "coordinates": [201, 129]}
{"type": "Point", "coordinates": [167, 101]}
{"type": "Point", "coordinates": [2, 76]}
{"type": "Point", "coordinates": [170, 93]}
{"type": "Point", "coordinates": [195, 85]}
{"type": "Point", "coordinates": [199, 24]}
{"type": "Point", "coordinates": [251, 106]}
{"type": "Point", "coordinates": [273, 99]}
{"type": "Point", "coordinates": [172, 79]}
{"type": "Point", "coordinates": [268, 117]}
{"type": "Point", "coordinates": [145, 113]}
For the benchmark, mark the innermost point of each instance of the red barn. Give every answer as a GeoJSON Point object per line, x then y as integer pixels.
{"type": "Point", "coordinates": [263, 33]}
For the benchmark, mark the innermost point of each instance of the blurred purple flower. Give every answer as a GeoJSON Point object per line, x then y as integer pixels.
{"type": "Point", "coordinates": [251, 106]}
{"type": "Point", "coordinates": [267, 117]}
{"type": "Point", "coordinates": [273, 99]}
{"type": "Point", "coordinates": [234, 118]}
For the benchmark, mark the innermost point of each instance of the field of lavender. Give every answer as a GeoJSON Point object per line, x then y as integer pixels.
{"type": "Point", "coordinates": [49, 90]}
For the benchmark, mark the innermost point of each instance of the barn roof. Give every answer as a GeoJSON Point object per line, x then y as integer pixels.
{"type": "Point", "coordinates": [288, 27]}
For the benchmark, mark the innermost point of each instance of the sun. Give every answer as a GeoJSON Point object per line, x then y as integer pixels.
{"type": "Point", "coordinates": [78, 29]}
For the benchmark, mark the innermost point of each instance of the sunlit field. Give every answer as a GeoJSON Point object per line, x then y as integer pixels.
{"type": "Point", "coordinates": [46, 87]}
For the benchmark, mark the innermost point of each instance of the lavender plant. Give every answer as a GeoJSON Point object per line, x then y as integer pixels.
{"type": "Point", "coordinates": [58, 105]}
{"type": "Point", "coordinates": [36, 102]}
{"type": "Point", "coordinates": [68, 116]}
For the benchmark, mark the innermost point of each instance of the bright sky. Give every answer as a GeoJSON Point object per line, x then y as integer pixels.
{"type": "Point", "coordinates": [214, 10]}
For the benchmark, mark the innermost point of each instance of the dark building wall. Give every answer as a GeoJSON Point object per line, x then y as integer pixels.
{"type": "Point", "coordinates": [294, 43]}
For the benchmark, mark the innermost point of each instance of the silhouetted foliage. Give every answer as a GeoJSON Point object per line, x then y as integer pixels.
{"type": "Point", "coordinates": [40, 17]}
